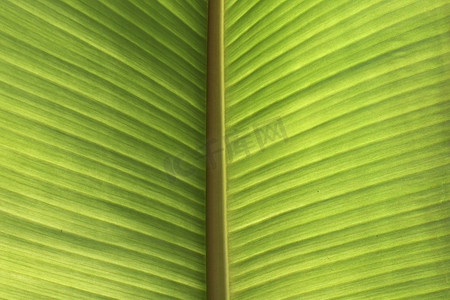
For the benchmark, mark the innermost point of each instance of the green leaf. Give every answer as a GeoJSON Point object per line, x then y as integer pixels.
{"type": "Point", "coordinates": [102, 107]}
{"type": "Point", "coordinates": [337, 114]}
{"type": "Point", "coordinates": [330, 179]}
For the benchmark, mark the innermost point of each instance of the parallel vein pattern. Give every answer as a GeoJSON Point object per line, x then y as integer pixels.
{"type": "Point", "coordinates": [102, 171]}
{"type": "Point", "coordinates": [338, 122]}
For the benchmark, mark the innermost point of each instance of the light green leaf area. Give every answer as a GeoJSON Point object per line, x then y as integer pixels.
{"type": "Point", "coordinates": [337, 117]}
{"type": "Point", "coordinates": [102, 130]}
